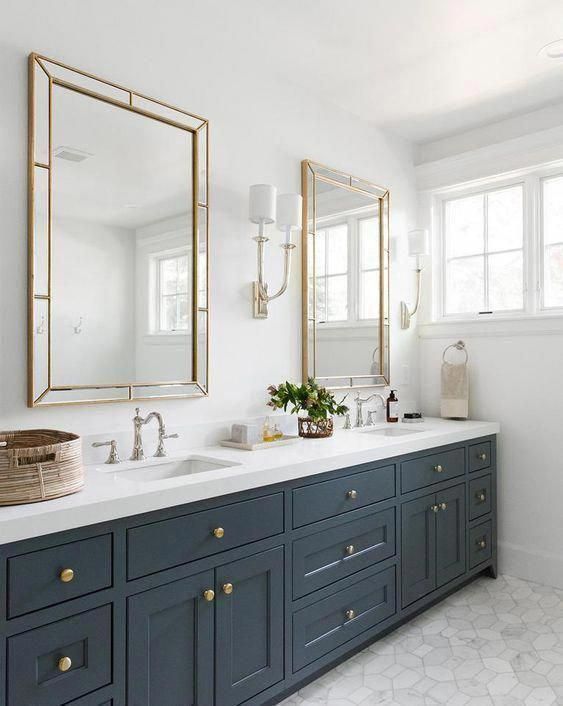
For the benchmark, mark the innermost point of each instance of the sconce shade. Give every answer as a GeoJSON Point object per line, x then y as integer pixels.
{"type": "Point", "coordinates": [418, 242]}
{"type": "Point", "coordinates": [262, 203]}
{"type": "Point", "coordinates": [289, 211]}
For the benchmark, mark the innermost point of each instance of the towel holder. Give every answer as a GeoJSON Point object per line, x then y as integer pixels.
{"type": "Point", "coordinates": [459, 346]}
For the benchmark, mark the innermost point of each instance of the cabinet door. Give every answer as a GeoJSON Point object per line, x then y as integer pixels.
{"type": "Point", "coordinates": [249, 614]}
{"type": "Point", "coordinates": [170, 644]}
{"type": "Point", "coordinates": [450, 534]}
{"type": "Point", "coordinates": [418, 540]}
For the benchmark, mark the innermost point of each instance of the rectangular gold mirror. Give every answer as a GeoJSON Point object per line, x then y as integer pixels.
{"type": "Point", "coordinates": [118, 242]}
{"type": "Point", "coordinates": [345, 279]}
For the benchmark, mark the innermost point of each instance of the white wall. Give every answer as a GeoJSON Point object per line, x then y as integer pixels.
{"type": "Point", "coordinates": [515, 370]}
{"type": "Point", "coordinates": [203, 56]}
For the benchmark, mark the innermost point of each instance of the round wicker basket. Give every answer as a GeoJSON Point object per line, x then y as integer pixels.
{"type": "Point", "coordinates": [315, 428]}
{"type": "Point", "coordinates": [39, 464]}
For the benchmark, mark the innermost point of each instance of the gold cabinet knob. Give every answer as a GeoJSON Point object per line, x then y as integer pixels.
{"type": "Point", "coordinates": [482, 456]}
{"type": "Point", "coordinates": [438, 469]}
{"type": "Point", "coordinates": [227, 588]}
{"type": "Point", "coordinates": [218, 532]}
{"type": "Point", "coordinates": [66, 575]}
{"type": "Point", "coordinates": [350, 549]}
{"type": "Point", "coordinates": [481, 543]}
{"type": "Point", "coordinates": [481, 496]}
{"type": "Point", "coordinates": [352, 494]}
{"type": "Point", "coordinates": [64, 664]}
{"type": "Point", "coordinates": [443, 506]}
{"type": "Point", "coordinates": [209, 594]}
{"type": "Point", "coordinates": [350, 614]}
{"type": "Point", "coordinates": [434, 508]}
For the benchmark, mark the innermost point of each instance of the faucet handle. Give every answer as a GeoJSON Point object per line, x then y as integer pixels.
{"type": "Point", "coordinates": [371, 418]}
{"type": "Point", "coordinates": [113, 454]}
{"type": "Point", "coordinates": [347, 423]}
{"type": "Point", "coordinates": [162, 435]}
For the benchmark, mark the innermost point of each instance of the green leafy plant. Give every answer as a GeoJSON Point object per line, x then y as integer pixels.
{"type": "Point", "coordinates": [316, 401]}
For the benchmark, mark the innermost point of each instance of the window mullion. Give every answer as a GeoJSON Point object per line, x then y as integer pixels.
{"type": "Point", "coordinates": [486, 251]}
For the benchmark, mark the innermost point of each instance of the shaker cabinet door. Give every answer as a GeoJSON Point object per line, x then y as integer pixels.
{"type": "Point", "coordinates": [418, 539]}
{"type": "Point", "coordinates": [450, 534]}
{"type": "Point", "coordinates": [170, 644]}
{"type": "Point", "coordinates": [250, 626]}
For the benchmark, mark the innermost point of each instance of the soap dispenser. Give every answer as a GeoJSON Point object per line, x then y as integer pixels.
{"type": "Point", "coordinates": [392, 407]}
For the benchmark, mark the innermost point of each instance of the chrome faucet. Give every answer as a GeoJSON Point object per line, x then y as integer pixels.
{"type": "Point", "coordinates": [360, 402]}
{"type": "Point", "coordinates": [138, 453]}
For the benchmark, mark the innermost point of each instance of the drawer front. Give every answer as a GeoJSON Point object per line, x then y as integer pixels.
{"type": "Point", "coordinates": [92, 700]}
{"type": "Point", "coordinates": [49, 576]}
{"type": "Point", "coordinates": [325, 625]}
{"type": "Point", "coordinates": [35, 670]}
{"type": "Point", "coordinates": [334, 497]}
{"type": "Point", "coordinates": [324, 557]}
{"type": "Point", "coordinates": [479, 456]}
{"type": "Point", "coordinates": [162, 545]}
{"type": "Point", "coordinates": [480, 544]}
{"type": "Point", "coordinates": [479, 497]}
{"type": "Point", "coordinates": [421, 472]}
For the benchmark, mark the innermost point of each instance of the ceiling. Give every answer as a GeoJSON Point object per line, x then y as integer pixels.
{"type": "Point", "coordinates": [424, 69]}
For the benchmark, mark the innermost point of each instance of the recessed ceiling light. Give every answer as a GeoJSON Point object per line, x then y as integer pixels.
{"type": "Point", "coordinates": [553, 50]}
{"type": "Point", "coordinates": [130, 205]}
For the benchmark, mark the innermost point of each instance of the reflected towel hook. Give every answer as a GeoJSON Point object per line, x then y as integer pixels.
{"type": "Point", "coordinates": [40, 330]}
{"type": "Point", "coordinates": [459, 346]}
{"type": "Point", "coordinates": [78, 327]}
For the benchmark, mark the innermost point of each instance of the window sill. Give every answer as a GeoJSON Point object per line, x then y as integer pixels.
{"type": "Point", "coordinates": [515, 325]}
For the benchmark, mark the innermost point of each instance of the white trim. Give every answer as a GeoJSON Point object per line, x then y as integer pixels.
{"type": "Point", "coordinates": [538, 325]}
{"type": "Point", "coordinates": [531, 564]}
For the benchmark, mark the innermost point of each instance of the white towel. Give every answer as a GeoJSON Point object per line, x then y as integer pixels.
{"type": "Point", "coordinates": [454, 402]}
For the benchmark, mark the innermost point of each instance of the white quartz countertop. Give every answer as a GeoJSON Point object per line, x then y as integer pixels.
{"type": "Point", "coordinates": [107, 496]}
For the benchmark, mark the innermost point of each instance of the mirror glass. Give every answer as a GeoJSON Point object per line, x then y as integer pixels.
{"type": "Point", "coordinates": [119, 253]}
{"type": "Point", "coordinates": [346, 262]}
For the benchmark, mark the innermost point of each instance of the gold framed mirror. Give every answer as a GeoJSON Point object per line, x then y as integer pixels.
{"type": "Point", "coordinates": [118, 242]}
{"type": "Point", "coordinates": [345, 279]}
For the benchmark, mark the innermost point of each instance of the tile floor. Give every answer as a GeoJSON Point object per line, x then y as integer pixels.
{"type": "Point", "coordinates": [493, 643]}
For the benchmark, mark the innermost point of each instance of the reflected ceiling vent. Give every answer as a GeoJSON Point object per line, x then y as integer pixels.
{"type": "Point", "coordinates": [71, 154]}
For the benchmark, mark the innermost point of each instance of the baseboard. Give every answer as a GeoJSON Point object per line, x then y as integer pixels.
{"type": "Point", "coordinates": [531, 565]}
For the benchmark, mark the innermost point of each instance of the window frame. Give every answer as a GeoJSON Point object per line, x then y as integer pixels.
{"type": "Point", "coordinates": [159, 259]}
{"type": "Point", "coordinates": [533, 244]}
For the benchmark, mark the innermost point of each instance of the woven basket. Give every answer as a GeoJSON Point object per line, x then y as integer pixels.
{"type": "Point", "coordinates": [39, 464]}
{"type": "Point", "coordinates": [315, 429]}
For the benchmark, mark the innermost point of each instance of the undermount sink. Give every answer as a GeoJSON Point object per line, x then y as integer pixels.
{"type": "Point", "coordinates": [173, 468]}
{"type": "Point", "coordinates": [392, 431]}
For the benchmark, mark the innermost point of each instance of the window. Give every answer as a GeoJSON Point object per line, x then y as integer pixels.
{"type": "Point", "coordinates": [173, 293]}
{"type": "Point", "coordinates": [369, 268]}
{"type": "Point", "coordinates": [552, 242]}
{"type": "Point", "coordinates": [483, 246]}
{"type": "Point", "coordinates": [331, 264]}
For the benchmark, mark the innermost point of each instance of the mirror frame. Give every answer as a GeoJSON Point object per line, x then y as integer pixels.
{"type": "Point", "coordinates": [54, 73]}
{"type": "Point", "coordinates": [311, 173]}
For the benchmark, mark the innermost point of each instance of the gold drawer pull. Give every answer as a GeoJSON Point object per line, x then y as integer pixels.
{"type": "Point", "coordinates": [482, 456]}
{"type": "Point", "coordinates": [350, 549]}
{"type": "Point", "coordinates": [439, 469]}
{"type": "Point", "coordinates": [227, 588]}
{"type": "Point", "coordinates": [481, 496]}
{"type": "Point", "coordinates": [350, 614]}
{"type": "Point", "coordinates": [66, 575]}
{"type": "Point", "coordinates": [443, 506]}
{"type": "Point", "coordinates": [434, 508]}
{"type": "Point", "coordinates": [64, 664]}
{"type": "Point", "coordinates": [352, 494]}
{"type": "Point", "coordinates": [482, 543]}
{"type": "Point", "coordinates": [209, 594]}
{"type": "Point", "coordinates": [219, 532]}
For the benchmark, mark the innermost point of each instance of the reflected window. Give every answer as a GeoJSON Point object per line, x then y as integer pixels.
{"type": "Point", "coordinates": [331, 272]}
{"type": "Point", "coordinates": [552, 242]}
{"type": "Point", "coordinates": [173, 294]}
{"type": "Point", "coordinates": [368, 268]}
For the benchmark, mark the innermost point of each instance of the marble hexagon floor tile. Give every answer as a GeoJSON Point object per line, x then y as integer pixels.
{"type": "Point", "coordinates": [493, 643]}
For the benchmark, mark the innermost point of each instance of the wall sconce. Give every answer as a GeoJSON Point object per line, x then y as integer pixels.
{"type": "Point", "coordinates": [265, 209]}
{"type": "Point", "coordinates": [418, 246]}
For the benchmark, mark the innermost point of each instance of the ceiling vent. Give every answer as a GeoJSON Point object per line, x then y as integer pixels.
{"type": "Point", "coordinates": [71, 154]}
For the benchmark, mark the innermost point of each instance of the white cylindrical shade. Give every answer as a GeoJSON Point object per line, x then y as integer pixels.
{"type": "Point", "coordinates": [418, 242]}
{"type": "Point", "coordinates": [262, 203]}
{"type": "Point", "coordinates": [289, 211]}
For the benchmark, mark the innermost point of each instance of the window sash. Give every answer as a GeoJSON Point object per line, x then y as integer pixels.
{"type": "Point", "coordinates": [162, 297]}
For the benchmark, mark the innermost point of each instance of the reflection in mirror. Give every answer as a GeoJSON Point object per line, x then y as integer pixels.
{"type": "Point", "coordinates": [345, 318]}
{"type": "Point", "coordinates": [119, 242]}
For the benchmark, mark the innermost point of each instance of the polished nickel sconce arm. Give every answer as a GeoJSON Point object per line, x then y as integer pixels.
{"type": "Point", "coordinates": [406, 314]}
{"type": "Point", "coordinates": [260, 287]}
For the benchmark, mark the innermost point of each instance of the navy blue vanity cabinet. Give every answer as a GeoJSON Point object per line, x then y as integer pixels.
{"type": "Point", "coordinates": [242, 599]}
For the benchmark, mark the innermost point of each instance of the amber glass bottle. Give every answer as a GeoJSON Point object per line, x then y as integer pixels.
{"type": "Point", "coordinates": [392, 407]}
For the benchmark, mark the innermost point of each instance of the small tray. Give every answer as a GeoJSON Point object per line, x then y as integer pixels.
{"type": "Point", "coordinates": [261, 444]}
